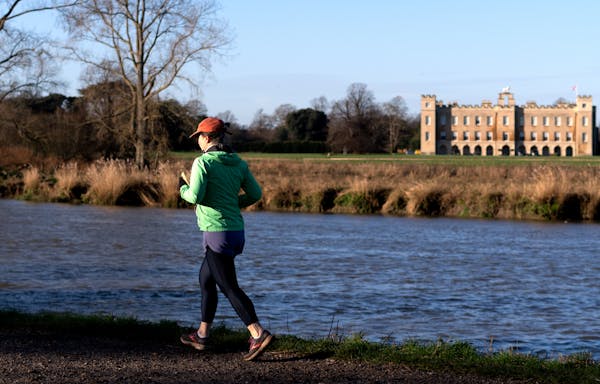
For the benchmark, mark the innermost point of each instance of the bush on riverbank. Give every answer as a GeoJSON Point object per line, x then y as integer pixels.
{"type": "Point", "coordinates": [452, 357]}
{"type": "Point", "coordinates": [539, 191]}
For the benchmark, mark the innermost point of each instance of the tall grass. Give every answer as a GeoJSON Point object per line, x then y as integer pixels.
{"type": "Point", "coordinates": [110, 180]}
{"type": "Point", "coordinates": [68, 178]}
{"type": "Point", "coordinates": [534, 190]}
{"type": "Point", "coordinates": [31, 180]}
{"type": "Point", "coordinates": [107, 180]}
{"type": "Point", "coordinates": [168, 179]}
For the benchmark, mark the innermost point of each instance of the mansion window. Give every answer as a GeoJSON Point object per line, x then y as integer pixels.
{"type": "Point", "coordinates": [584, 121]}
{"type": "Point", "coordinates": [505, 120]}
{"type": "Point", "coordinates": [427, 120]}
{"type": "Point", "coordinates": [546, 121]}
{"type": "Point", "coordinates": [477, 120]}
{"type": "Point", "coordinates": [466, 120]}
{"type": "Point", "coordinates": [534, 120]}
{"type": "Point", "coordinates": [477, 135]}
{"type": "Point", "coordinates": [570, 121]}
{"type": "Point", "coordinates": [465, 135]}
{"type": "Point", "coordinates": [443, 120]}
{"type": "Point", "coordinates": [545, 136]}
{"type": "Point", "coordinates": [504, 136]}
{"type": "Point", "coordinates": [556, 136]}
{"type": "Point", "coordinates": [569, 136]}
{"type": "Point", "coordinates": [454, 136]}
{"type": "Point", "coordinates": [557, 121]}
{"type": "Point", "coordinates": [533, 136]}
{"type": "Point", "coordinates": [443, 135]}
{"type": "Point", "coordinates": [584, 137]}
{"type": "Point", "coordinates": [427, 136]}
{"type": "Point", "coordinates": [454, 120]}
{"type": "Point", "coordinates": [488, 135]}
{"type": "Point", "coordinates": [490, 121]}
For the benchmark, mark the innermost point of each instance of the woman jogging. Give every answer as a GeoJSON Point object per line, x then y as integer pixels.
{"type": "Point", "coordinates": [217, 177]}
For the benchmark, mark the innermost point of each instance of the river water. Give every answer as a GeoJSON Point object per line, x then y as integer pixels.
{"type": "Point", "coordinates": [527, 286]}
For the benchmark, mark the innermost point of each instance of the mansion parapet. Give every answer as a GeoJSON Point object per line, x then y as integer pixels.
{"type": "Point", "coordinates": [563, 129]}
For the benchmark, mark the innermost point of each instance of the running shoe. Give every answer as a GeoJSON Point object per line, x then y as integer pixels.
{"type": "Point", "coordinates": [194, 341]}
{"type": "Point", "coordinates": [258, 345]}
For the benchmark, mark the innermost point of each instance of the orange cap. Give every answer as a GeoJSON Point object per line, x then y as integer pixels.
{"type": "Point", "coordinates": [210, 125]}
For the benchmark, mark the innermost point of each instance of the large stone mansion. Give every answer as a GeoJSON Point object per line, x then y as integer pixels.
{"type": "Point", "coordinates": [563, 129]}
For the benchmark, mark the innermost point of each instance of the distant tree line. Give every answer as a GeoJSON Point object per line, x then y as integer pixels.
{"type": "Point", "coordinates": [96, 124]}
{"type": "Point", "coordinates": [120, 113]}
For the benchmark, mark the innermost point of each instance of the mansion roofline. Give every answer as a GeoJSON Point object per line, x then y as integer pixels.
{"type": "Point", "coordinates": [488, 104]}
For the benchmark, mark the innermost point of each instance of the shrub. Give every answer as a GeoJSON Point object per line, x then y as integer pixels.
{"type": "Point", "coordinates": [362, 202]}
{"type": "Point", "coordinates": [16, 155]}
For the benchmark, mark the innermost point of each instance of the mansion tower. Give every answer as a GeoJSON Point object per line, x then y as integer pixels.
{"type": "Point", "coordinates": [563, 129]}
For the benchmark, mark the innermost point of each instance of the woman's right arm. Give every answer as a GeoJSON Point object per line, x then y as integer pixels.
{"type": "Point", "coordinates": [194, 193]}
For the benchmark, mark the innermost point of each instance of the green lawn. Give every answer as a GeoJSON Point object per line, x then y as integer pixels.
{"type": "Point", "coordinates": [416, 159]}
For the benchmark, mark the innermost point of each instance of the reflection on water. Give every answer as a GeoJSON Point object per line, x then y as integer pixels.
{"type": "Point", "coordinates": [529, 286]}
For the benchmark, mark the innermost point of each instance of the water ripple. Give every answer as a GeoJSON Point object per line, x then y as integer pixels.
{"type": "Point", "coordinates": [530, 287]}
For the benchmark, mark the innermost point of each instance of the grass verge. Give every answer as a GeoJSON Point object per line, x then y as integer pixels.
{"type": "Point", "coordinates": [451, 357]}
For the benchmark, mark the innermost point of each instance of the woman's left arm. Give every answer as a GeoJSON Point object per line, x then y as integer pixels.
{"type": "Point", "coordinates": [252, 192]}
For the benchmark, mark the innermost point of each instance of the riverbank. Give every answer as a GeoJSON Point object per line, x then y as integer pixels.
{"type": "Point", "coordinates": [556, 191]}
{"type": "Point", "coordinates": [49, 348]}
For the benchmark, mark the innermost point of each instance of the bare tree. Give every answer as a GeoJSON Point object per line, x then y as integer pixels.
{"type": "Point", "coordinates": [353, 122]}
{"type": "Point", "coordinates": [23, 57]}
{"type": "Point", "coordinates": [107, 105]}
{"type": "Point", "coordinates": [263, 126]}
{"type": "Point", "coordinates": [320, 104]}
{"type": "Point", "coordinates": [281, 113]}
{"type": "Point", "coordinates": [197, 109]}
{"type": "Point", "coordinates": [395, 113]}
{"type": "Point", "coordinates": [152, 42]}
{"type": "Point", "coordinates": [227, 116]}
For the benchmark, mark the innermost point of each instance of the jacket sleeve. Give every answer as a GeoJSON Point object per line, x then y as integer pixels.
{"type": "Point", "coordinates": [194, 193]}
{"type": "Point", "coordinates": [252, 192]}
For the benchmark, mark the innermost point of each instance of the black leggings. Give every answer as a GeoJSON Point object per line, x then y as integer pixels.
{"type": "Point", "coordinates": [219, 270]}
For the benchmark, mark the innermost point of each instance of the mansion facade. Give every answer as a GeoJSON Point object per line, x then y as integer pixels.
{"type": "Point", "coordinates": [505, 129]}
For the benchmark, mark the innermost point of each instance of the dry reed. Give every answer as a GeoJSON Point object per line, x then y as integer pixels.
{"type": "Point", "coordinates": [31, 180]}
{"type": "Point", "coordinates": [109, 179]}
{"type": "Point", "coordinates": [168, 180]}
{"type": "Point", "coordinates": [67, 177]}
{"type": "Point", "coordinates": [547, 191]}
{"type": "Point", "coordinates": [508, 192]}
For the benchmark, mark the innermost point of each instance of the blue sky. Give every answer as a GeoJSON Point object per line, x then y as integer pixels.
{"type": "Point", "coordinates": [291, 52]}
{"type": "Point", "coordinates": [465, 51]}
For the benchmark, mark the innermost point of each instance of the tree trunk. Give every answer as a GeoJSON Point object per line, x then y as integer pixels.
{"type": "Point", "coordinates": [140, 104]}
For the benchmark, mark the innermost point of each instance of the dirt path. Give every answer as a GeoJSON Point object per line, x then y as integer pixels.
{"type": "Point", "coordinates": [51, 358]}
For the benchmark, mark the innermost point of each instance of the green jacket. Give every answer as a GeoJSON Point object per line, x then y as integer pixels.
{"type": "Point", "coordinates": [215, 183]}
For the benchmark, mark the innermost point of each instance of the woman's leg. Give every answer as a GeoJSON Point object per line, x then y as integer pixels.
{"type": "Point", "coordinates": [210, 298]}
{"type": "Point", "coordinates": [222, 270]}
